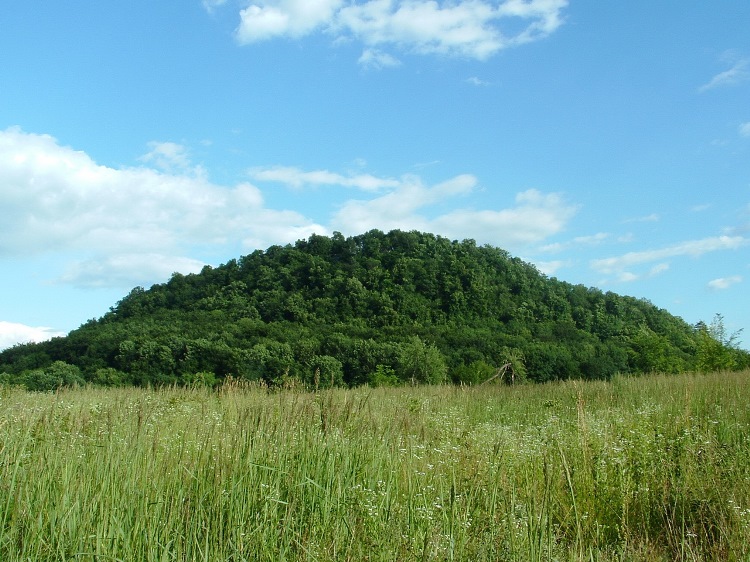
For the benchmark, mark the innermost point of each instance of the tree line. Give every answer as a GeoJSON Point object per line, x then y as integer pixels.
{"type": "Point", "coordinates": [378, 308]}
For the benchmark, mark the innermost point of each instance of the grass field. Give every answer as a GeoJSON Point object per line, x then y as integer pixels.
{"type": "Point", "coordinates": [653, 468]}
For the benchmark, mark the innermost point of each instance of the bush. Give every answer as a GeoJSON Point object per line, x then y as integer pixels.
{"type": "Point", "coordinates": [475, 373]}
{"type": "Point", "coordinates": [203, 379]}
{"type": "Point", "coordinates": [55, 376]}
{"type": "Point", "coordinates": [383, 376]}
{"type": "Point", "coordinates": [109, 376]}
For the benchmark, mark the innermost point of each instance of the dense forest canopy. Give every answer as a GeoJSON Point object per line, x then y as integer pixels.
{"type": "Point", "coordinates": [371, 309]}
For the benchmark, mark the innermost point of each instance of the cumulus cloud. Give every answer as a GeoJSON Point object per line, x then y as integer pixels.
{"type": "Point", "coordinates": [135, 226]}
{"type": "Point", "coordinates": [724, 282]}
{"type": "Point", "coordinates": [293, 18]}
{"type": "Point", "coordinates": [619, 265]}
{"type": "Point", "coordinates": [12, 333]}
{"type": "Point", "coordinates": [124, 221]}
{"type": "Point", "coordinates": [294, 177]}
{"type": "Point", "coordinates": [534, 217]}
{"type": "Point", "coordinates": [470, 28]}
{"type": "Point", "coordinates": [739, 71]}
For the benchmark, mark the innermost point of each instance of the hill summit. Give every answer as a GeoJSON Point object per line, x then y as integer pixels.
{"type": "Point", "coordinates": [375, 308]}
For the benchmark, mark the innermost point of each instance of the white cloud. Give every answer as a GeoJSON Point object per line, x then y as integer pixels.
{"type": "Point", "coordinates": [170, 157]}
{"type": "Point", "coordinates": [745, 129]}
{"type": "Point", "coordinates": [534, 217]}
{"type": "Point", "coordinates": [12, 333]}
{"type": "Point", "coordinates": [629, 277]}
{"type": "Point", "coordinates": [724, 282]}
{"type": "Point", "coordinates": [738, 72]}
{"type": "Point", "coordinates": [694, 248]}
{"type": "Point", "coordinates": [653, 217]}
{"type": "Point", "coordinates": [293, 18]}
{"type": "Point", "coordinates": [550, 267]}
{"type": "Point", "coordinates": [211, 5]}
{"type": "Point", "coordinates": [397, 208]}
{"type": "Point", "coordinates": [117, 271]}
{"type": "Point", "coordinates": [56, 199]}
{"type": "Point", "coordinates": [591, 240]}
{"type": "Point", "coordinates": [294, 177]}
{"type": "Point", "coordinates": [476, 81]}
{"type": "Point", "coordinates": [469, 28]}
{"type": "Point", "coordinates": [373, 58]}
{"type": "Point", "coordinates": [136, 226]}
{"type": "Point", "coordinates": [626, 277]}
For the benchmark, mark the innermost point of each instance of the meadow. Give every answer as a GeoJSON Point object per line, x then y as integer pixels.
{"type": "Point", "coordinates": [649, 468]}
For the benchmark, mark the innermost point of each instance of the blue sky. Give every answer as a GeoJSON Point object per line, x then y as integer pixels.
{"type": "Point", "coordinates": [607, 143]}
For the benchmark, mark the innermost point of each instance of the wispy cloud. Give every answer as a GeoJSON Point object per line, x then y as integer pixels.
{"type": "Point", "coordinates": [550, 267]}
{"type": "Point", "coordinates": [170, 157]}
{"type": "Point", "coordinates": [620, 265]}
{"type": "Point", "coordinates": [476, 81]}
{"type": "Point", "coordinates": [590, 240]}
{"type": "Point", "coordinates": [294, 177]}
{"type": "Point", "coordinates": [374, 58]}
{"type": "Point", "coordinates": [653, 217]}
{"type": "Point", "coordinates": [745, 129]}
{"type": "Point", "coordinates": [211, 5]}
{"type": "Point", "coordinates": [467, 28]}
{"type": "Point", "coordinates": [117, 271]}
{"type": "Point", "coordinates": [739, 71]}
{"type": "Point", "coordinates": [723, 283]}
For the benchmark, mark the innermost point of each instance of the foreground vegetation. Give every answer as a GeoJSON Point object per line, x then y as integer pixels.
{"type": "Point", "coordinates": [650, 468]}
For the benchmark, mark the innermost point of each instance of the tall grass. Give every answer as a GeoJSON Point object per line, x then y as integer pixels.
{"type": "Point", "coordinates": [654, 468]}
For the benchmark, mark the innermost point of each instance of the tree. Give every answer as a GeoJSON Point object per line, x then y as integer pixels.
{"type": "Point", "coordinates": [327, 371]}
{"type": "Point", "coordinates": [422, 362]}
{"type": "Point", "coordinates": [717, 350]}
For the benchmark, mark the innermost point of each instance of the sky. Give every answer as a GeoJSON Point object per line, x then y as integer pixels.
{"type": "Point", "coordinates": [608, 143]}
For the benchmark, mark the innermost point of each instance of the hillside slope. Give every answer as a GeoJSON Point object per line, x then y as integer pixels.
{"type": "Point", "coordinates": [376, 308]}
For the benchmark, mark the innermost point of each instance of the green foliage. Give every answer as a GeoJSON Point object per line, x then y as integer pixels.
{"type": "Point", "coordinates": [109, 376]}
{"type": "Point", "coordinates": [475, 373]}
{"type": "Point", "coordinates": [329, 370]}
{"type": "Point", "coordinates": [419, 304]}
{"type": "Point", "coordinates": [383, 376]}
{"type": "Point", "coordinates": [57, 375]}
{"type": "Point", "coordinates": [717, 350]}
{"type": "Point", "coordinates": [421, 362]}
{"type": "Point", "coordinates": [205, 379]}
{"type": "Point", "coordinates": [654, 353]}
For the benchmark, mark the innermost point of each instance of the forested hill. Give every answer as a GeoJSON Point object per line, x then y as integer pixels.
{"type": "Point", "coordinates": [376, 308]}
